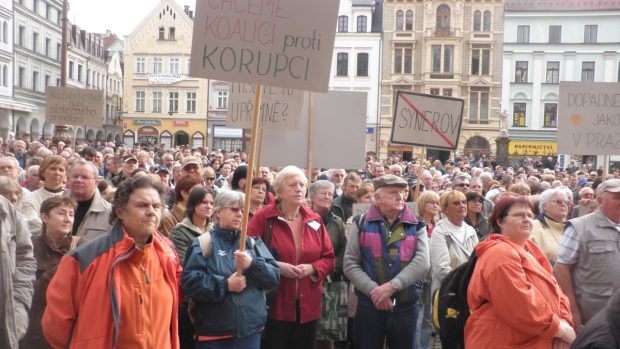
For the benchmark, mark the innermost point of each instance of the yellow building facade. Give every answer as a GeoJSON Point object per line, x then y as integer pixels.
{"type": "Point", "coordinates": [162, 104]}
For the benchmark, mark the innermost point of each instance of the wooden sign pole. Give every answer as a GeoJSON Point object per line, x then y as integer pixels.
{"type": "Point", "coordinates": [310, 135]}
{"type": "Point", "coordinates": [420, 170]}
{"type": "Point", "coordinates": [260, 151]}
{"type": "Point", "coordinates": [250, 171]}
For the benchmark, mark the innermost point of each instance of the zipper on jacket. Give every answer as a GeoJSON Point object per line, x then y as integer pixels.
{"type": "Point", "coordinates": [147, 279]}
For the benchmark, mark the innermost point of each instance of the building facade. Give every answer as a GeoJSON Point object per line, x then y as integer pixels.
{"type": "Point", "coordinates": [37, 51]}
{"type": "Point", "coordinates": [162, 104]}
{"type": "Point", "coordinates": [356, 59]}
{"type": "Point", "coordinates": [546, 44]}
{"type": "Point", "coordinates": [450, 48]}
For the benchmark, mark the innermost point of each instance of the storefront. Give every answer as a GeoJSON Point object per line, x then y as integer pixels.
{"type": "Point", "coordinates": [227, 138]}
{"type": "Point", "coordinates": [521, 148]}
{"type": "Point", "coordinates": [170, 132]}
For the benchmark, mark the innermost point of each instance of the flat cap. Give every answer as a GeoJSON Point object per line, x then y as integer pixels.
{"type": "Point", "coordinates": [130, 157]}
{"type": "Point", "coordinates": [610, 185]}
{"type": "Point", "coordinates": [191, 160]}
{"type": "Point", "coordinates": [389, 180]}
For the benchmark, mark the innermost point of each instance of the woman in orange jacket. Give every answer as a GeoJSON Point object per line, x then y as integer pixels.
{"type": "Point", "coordinates": [514, 298]}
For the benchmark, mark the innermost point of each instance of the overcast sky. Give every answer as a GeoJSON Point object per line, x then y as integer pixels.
{"type": "Point", "coordinates": [120, 16]}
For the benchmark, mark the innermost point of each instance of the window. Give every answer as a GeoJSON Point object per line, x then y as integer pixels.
{"type": "Point", "coordinates": [157, 102]}
{"type": "Point", "coordinates": [477, 20]}
{"type": "Point", "coordinates": [89, 80]}
{"type": "Point", "coordinates": [447, 58]}
{"type": "Point", "coordinates": [447, 92]}
{"type": "Point", "coordinates": [47, 11]}
{"type": "Point", "coordinates": [486, 21]}
{"type": "Point", "coordinates": [158, 65]}
{"type": "Point", "coordinates": [79, 73]}
{"type": "Point", "coordinates": [409, 20]}
{"type": "Point", "coordinates": [139, 101]}
{"type": "Point", "coordinates": [518, 114]}
{"type": "Point", "coordinates": [587, 71]}
{"type": "Point", "coordinates": [174, 65]}
{"type": "Point", "coordinates": [222, 99]}
{"type": "Point", "coordinates": [362, 64]}
{"type": "Point", "coordinates": [553, 72]}
{"type": "Point", "coordinates": [442, 20]}
{"type": "Point", "coordinates": [343, 24]}
{"type": "Point", "coordinates": [35, 41]}
{"type": "Point", "coordinates": [521, 72]}
{"type": "Point", "coordinates": [161, 33]}
{"type": "Point", "coordinates": [58, 49]}
{"type": "Point", "coordinates": [551, 115]}
{"type": "Point", "coordinates": [173, 102]}
{"type": "Point", "coordinates": [35, 80]}
{"type": "Point", "coordinates": [479, 105]}
{"type": "Point", "coordinates": [402, 60]}
{"type": "Point", "coordinates": [21, 76]}
{"type": "Point", "coordinates": [21, 32]}
{"type": "Point", "coordinates": [71, 69]}
{"type": "Point", "coordinates": [342, 64]}
{"type": "Point", "coordinates": [35, 6]}
{"type": "Point", "coordinates": [555, 34]}
{"type": "Point", "coordinates": [362, 24]}
{"type": "Point", "coordinates": [47, 81]}
{"type": "Point", "coordinates": [400, 20]}
{"type": "Point", "coordinates": [589, 34]}
{"type": "Point", "coordinates": [5, 32]}
{"type": "Point", "coordinates": [48, 42]}
{"type": "Point", "coordinates": [480, 61]}
{"type": "Point", "coordinates": [434, 91]}
{"type": "Point", "coordinates": [171, 33]}
{"type": "Point", "coordinates": [140, 65]}
{"type": "Point", "coordinates": [5, 76]}
{"type": "Point", "coordinates": [191, 102]}
{"type": "Point", "coordinates": [523, 34]}
{"type": "Point", "coordinates": [189, 61]}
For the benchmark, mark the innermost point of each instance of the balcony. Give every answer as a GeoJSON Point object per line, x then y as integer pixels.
{"type": "Point", "coordinates": [481, 37]}
{"type": "Point", "coordinates": [455, 33]}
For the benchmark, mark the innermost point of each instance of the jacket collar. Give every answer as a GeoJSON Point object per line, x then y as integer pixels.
{"type": "Point", "coordinates": [271, 211]}
{"type": "Point", "coordinates": [186, 222]}
{"type": "Point", "coordinates": [406, 216]}
{"type": "Point", "coordinates": [98, 204]}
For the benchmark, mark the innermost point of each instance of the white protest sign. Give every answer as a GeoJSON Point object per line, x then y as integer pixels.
{"type": "Point", "coordinates": [427, 120]}
{"type": "Point", "coordinates": [74, 106]}
{"type": "Point", "coordinates": [589, 118]}
{"type": "Point", "coordinates": [287, 43]}
{"type": "Point", "coordinates": [280, 107]}
{"type": "Point", "coordinates": [339, 134]}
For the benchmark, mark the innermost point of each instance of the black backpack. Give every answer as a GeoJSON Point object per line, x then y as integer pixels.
{"type": "Point", "coordinates": [450, 308]}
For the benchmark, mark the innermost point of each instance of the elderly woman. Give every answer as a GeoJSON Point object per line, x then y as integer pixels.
{"type": "Point", "coordinates": [258, 196]}
{"type": "Point", "coordinates": [11, 190]}
{"type": "Point", "coordinates": [321, 195]}
{"type": "Point", "coordinates": [549, 224]}
{"type": "Point", "coordinates": [54, 242]}
{"type": "Point", "coordinates": [229, 309]}
{"type": "Point", "coordinates": [514, 298]}
{"type": "Point", "coordinates": [453, 240]}
{"type": "Point", "coordinates": [475, 218]}
{"type": "Point", "coordinates": [131, 275]}
{"type": "Point", "coordinates": [427, 206]}
{"type": "Point", "coordinates": [53, 172]}
{"type": "Point", "coordinates": [299, 241]}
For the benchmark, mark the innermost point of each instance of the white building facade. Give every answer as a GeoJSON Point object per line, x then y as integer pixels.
{"type": "Point", "coordinates": [544, 45]}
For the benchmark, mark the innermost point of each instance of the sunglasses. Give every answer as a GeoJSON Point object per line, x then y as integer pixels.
{"type": "Point", "coordinates": [210, 178]}
{"type": "Point", "coordinates": [462, 185]}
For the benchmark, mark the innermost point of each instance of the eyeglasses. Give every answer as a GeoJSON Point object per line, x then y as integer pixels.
{"type": "Point", "coordinates": [462, 185]}
{"type": "Point", "coordinates": [210, 178]}
{"type": "Point", "coordinates": [560, 202]}
{"type": "Point", "coordinates": [80, 178]}
{"type": "Point", "coordinates": [522, 215]}
{"type": "Point", "coordinates": [235, 209]}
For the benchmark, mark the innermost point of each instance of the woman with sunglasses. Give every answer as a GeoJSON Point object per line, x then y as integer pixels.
{"type": "Point", "coordinates": [549, 224]}
{"type": "Point", "coordinates": [475, 218]}
{"type": "Point", "coordinates": [229, 310]}
{"type": "Point", "coordinates": [515, 300]}
{"type": "Point", "coordinates": [453, 240]}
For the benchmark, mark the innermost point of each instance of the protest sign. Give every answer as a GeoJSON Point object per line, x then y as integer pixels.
{"type": "Point", "coordinates": [280, 107]}
{"type": "Point", "coordinates": [275, 43]}
{"type": "Point", "coordinates": [589, 118]}
{"type": "Point", "coordinates": [427, 120]}
{"type": "Point", "coordinates": [74, 106]}
{"type": "Point", "coordinates": [338, 140]}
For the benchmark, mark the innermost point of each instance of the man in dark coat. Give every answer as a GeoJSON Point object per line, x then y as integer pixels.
{"type": "Point", "coordinates": [603, 330]}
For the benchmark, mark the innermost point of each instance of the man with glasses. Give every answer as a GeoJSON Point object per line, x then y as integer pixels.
{"type": "Point", "coordinates": [475, 185]}
{"type": "Point", "coordinates": [586, 201]}
{"type": "Point", "coordinates": [92, 212]}
{"type": "Point", "coordinates": [191, 165]}
{"type": "Point", "coordinates": [386, 255]}
{"type": "Point", "coordinates": [461, 183]}
{"type": "Point", "coordinates": [587, 268]}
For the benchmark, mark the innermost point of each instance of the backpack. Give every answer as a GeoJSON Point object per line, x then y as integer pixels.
{"type": "Point", "coordinates": [450, 308]}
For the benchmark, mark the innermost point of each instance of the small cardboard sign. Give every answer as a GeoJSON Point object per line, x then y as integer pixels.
{"type": "Point", "coordinates": [74, 106]}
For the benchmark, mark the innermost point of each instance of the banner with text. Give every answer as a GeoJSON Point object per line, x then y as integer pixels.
{"type": "Point", "coordinates": [277, 43]}
{"type": "Point", "coordinates": [74, 106]}
{"type": "Point", "coordinates": [280, 107]}
{"type": "Point", "coordinates": [338, 137]}
{"type": "Point", "coordinates": [589, 118]}
{"type": "Point", "coordinates": [532, 148]}
{"type": "Point", "coordinates": [427, 120]}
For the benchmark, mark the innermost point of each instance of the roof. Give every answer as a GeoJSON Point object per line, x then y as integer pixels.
{"type": "Point", "coordinates": [561, 5]}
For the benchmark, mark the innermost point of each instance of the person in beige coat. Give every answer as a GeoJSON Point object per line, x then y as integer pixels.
{"type": "Point", "coordinates": [549, 224]}
{"type": "Point", "coordinates": [453, 240]}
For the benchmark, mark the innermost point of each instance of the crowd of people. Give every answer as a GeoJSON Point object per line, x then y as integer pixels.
{"type": "Point", "coordinates": [107, 246]}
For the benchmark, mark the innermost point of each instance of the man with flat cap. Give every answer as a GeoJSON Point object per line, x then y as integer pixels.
{"type": "Point", "coordinates": [130, 164]}
{"type": "Point", "coordinates": [387, 253]}
{"type": "Point", "coordinates": [588, 264]}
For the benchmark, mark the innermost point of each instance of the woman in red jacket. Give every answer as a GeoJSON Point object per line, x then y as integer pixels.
{"type": "Point", "coordinates": [514, 298]}
{"type": "Point", "coordinates": [300, 243]}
